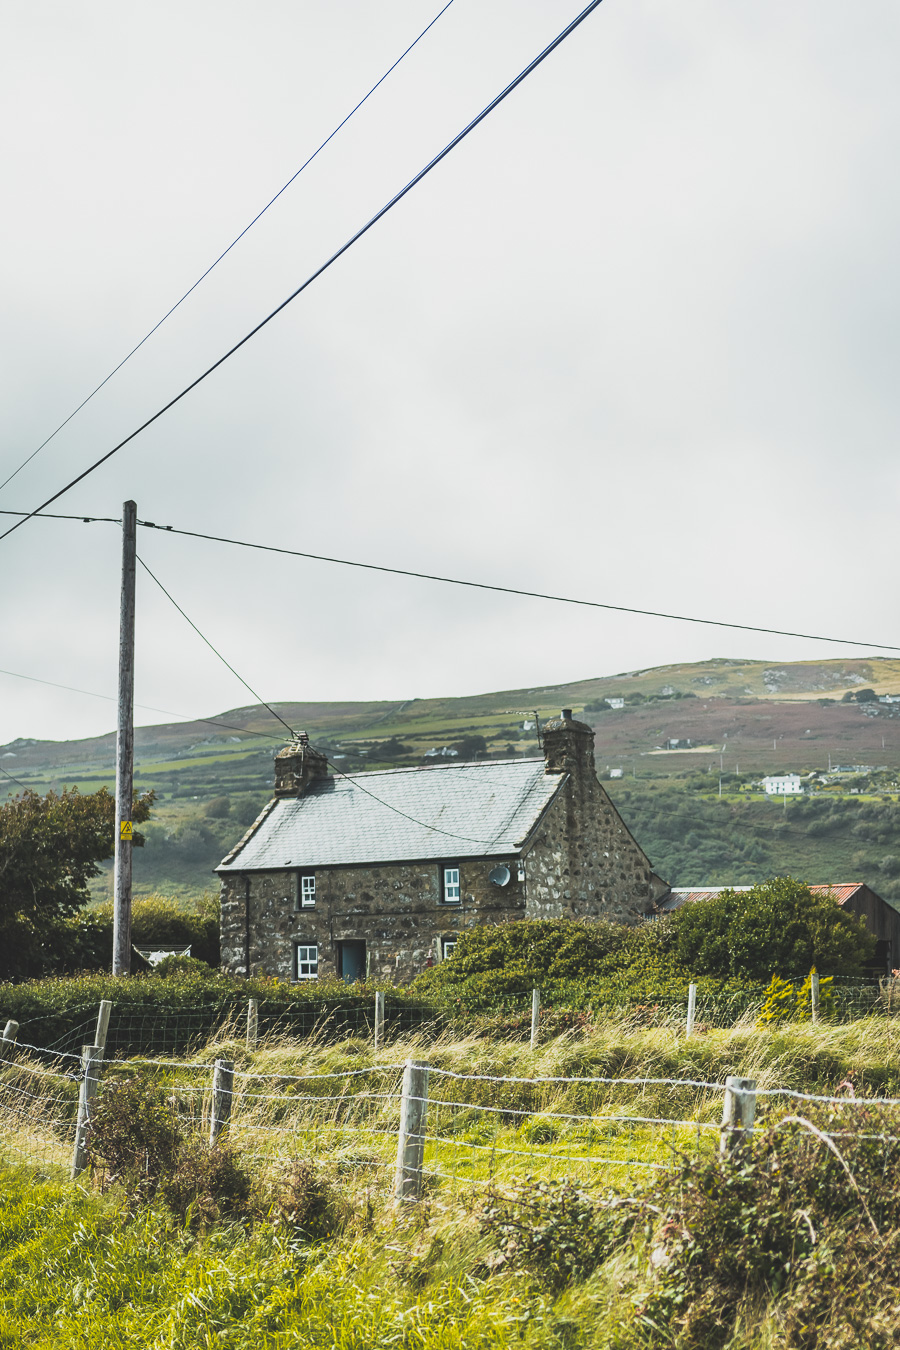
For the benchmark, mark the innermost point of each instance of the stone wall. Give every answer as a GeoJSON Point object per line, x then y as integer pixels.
{"type": "Point", "coordinates": [396, 909]}
{"type": "Point", "coordinates": [601, 873]}
{"type": "Point", "coordinates": [583, 861]}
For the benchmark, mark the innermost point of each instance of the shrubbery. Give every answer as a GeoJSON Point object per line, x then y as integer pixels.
{"type": "Point", "coordinates": [782, 1219]}
{"type": "Point", "coordinates": [780, 1231]}
{"type": "Point", "coordinates": [171, 1013]}
{"type": "Point", "coordinates": [555, 1232]}
{"type": "Point", "coordinates": [137, 1141]}
{"type": "Point", "coordinates": [780, 927]}
{"type": "Point", "coordinates": [156, 921]}
{"type": "Point", "coordinates": [729, 945]}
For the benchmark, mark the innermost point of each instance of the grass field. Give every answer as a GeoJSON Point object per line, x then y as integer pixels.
{"type": "Point", "coordinates": [79, 1268]}
{"type": "Point", "coordinates": [758, 717]}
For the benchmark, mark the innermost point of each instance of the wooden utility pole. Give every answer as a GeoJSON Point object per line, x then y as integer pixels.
{"type": "Point", "coordinates": [121, 960]}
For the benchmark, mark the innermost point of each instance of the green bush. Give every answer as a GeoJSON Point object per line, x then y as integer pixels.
{"type": "Point", "coordinates": [219, 808]}
{"type": "Point", "coordinates": [781, 1218]}
{"type": "Point", "coordinates": [138, 1141]}
{"type": "Point", "coordinates": [576, 964]}
{"type": "Point", "coordinates": [207, 1183]}
{"type": "Point", "coordinates": [156, 921]}
{"type": "Point", "coordinates": [307, 1200]}
{"type": "Point", "coordinates": [779, 926]}
{"type": "Point", "coordinates": [134, 1137]}
{"type": "Point", "coordinates": [172, 1014]}
{"type": "Point", "coordinates": [555, 1232]}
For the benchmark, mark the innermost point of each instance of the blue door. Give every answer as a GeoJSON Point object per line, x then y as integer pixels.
{"type": "Point", "coordinates": [352, 960]}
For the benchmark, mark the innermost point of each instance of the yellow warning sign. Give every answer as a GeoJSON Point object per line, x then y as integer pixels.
{"type": "Point", "coordinates": [126, 829]}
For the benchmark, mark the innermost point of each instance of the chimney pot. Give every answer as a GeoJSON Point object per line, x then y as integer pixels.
{"type": "Point", "coordinates": [296, 766]}
{"type": "Point", "coordinates": [567, 714]}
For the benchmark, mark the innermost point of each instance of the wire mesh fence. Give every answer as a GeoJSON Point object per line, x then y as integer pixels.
{"type": "Point", "coordinates": [155, 1028]}
{"type": "Point", "coordinates": [142, 1024]}
{"type": "Point", "coordinates": [469, 1131]}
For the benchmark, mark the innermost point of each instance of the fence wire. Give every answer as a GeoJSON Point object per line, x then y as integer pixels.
{"type": "Point", "coordinates": [480, 1129]}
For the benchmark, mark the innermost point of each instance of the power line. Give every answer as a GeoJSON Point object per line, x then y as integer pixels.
{"type": "Point", "coordinates": [355, 782]}
{"type": "Point", "coordinates": [214, 650]}
{"type": "Point", "coordinates": [14, 779]}
{"type": "Point", "coordinates": [52, 515]}
{"type": "Point", "coordinates": [226, 251]}
{"type": "Point", "coordinates": [514, 590]}
{"type": "Point", "coordinates": [111, 698]}
{"type": "Point", "coordinates": [373, 220]}
{"type": "Point", "coordinates": [475, 585]}
{"type": "Point", "coordinates": [396, 809]}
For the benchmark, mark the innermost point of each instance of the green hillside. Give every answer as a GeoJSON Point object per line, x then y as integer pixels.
{"type": "Point", "coordinates": [740, 719]}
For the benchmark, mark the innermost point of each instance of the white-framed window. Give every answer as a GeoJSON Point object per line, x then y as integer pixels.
{"type": "Point", "coordinates": [306, 962]}
{"type": "Point", "coordinates": [304, 891]}
{"type": "Point", "coordinates": [448, 947]}
{"type": "Point", "coordinates": [451, 885]}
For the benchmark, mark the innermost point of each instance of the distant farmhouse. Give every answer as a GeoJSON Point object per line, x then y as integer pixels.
{"type": "Point", "coordinates": [785, 784]}
{"type": "Point", "coordinates": [377, 874]}
{"type": "Point", "coordinates": [882, 919]}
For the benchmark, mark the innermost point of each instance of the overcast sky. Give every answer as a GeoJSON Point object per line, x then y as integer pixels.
{"type": "Point", "coordinates": [636, 340]}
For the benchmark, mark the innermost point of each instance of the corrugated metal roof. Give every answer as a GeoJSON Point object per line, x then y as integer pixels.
{"type": "Point", "coordinates": [681, 895]}
{"type": "Point", "coordinates": [402, 815]}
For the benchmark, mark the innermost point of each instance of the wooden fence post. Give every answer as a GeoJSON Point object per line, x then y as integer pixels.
{"type": "Point", "coordinates": [103, 1025]}
{"type": "Point", "coordinates": [814, 995]}
{"type": "Point", "coordinates": [692, 1009]}
{"type": "Point", "coordinates": [738, 1111]}
{"type": "Point", "coordinates": [379, 1021]}
{"type": "Point", "coordinates": [535, 1016]}
{"type": "Point", "coordinates": [90, 1077]}
{"type": "Point", "coordinates": [411, 1140]}
{"type": "Point", "coordinates": [252, 1023]}
{"type": "Point", "coordinates": [222, 1093]}
{"type": "Point", "coordinates": [8, 1040]}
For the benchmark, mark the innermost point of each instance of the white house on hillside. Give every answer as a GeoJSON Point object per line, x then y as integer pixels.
{"type": "Point", "coordinates": [784, 784]}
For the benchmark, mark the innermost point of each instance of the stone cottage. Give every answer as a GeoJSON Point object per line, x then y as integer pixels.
{"type": "Point", "coordinates": [377, 874]}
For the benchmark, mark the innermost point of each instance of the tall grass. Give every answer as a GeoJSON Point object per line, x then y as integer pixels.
{"type": "Point", "coordinates": [79, 1268]}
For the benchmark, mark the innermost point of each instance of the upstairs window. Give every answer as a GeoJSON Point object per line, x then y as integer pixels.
{"type": "Point", "coordinates": [305, 892]}
{"type": "Point", "coordinates": [451, 886]}
{"type": "Point", "coordinates": [306, 962]}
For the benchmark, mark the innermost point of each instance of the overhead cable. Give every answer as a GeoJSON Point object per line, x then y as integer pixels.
{"type": "Point", "coordinates": [477, 585]}
{"type": "Point", "coordinates": [515, 590]}
{"type": "Point", "coordinates": [373, 220]}
{"type": "Point", "coordinates": [13, 778]}
{"type": "Point", "coordinates": [213, 649]}
{"type": "Point", "coordinates": [111, 698]}
{"type": "Point", "coordinates": [53, 515]}
{"type": "Point", "coordinates": [227, 250]}
{"type": "Point", "coordinates": [450, 834]}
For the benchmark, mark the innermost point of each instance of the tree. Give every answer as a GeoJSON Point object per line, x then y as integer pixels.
{"type": "Point", "coordinates": [219, 808]}
{"type": "Point", "coordinates": [779, 927]}
{"type": "Point", "coordinates": [469, 746]}
{"type": "Point", "coordinates": [50, 848]}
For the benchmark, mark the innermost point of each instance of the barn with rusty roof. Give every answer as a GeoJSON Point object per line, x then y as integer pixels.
{"type": "Point", "coordinates": [881, 917]}
{"type": "Point", "coordinates": [377, 874]}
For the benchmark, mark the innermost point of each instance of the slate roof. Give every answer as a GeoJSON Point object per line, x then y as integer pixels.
{"type": "Point", "coordinates": [401, 815]}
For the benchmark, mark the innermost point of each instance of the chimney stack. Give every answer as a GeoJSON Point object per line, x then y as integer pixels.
{"type": "Point", "coordinates": [568, 746]}
{"type": "Point", "coordinates": [298, 765]}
